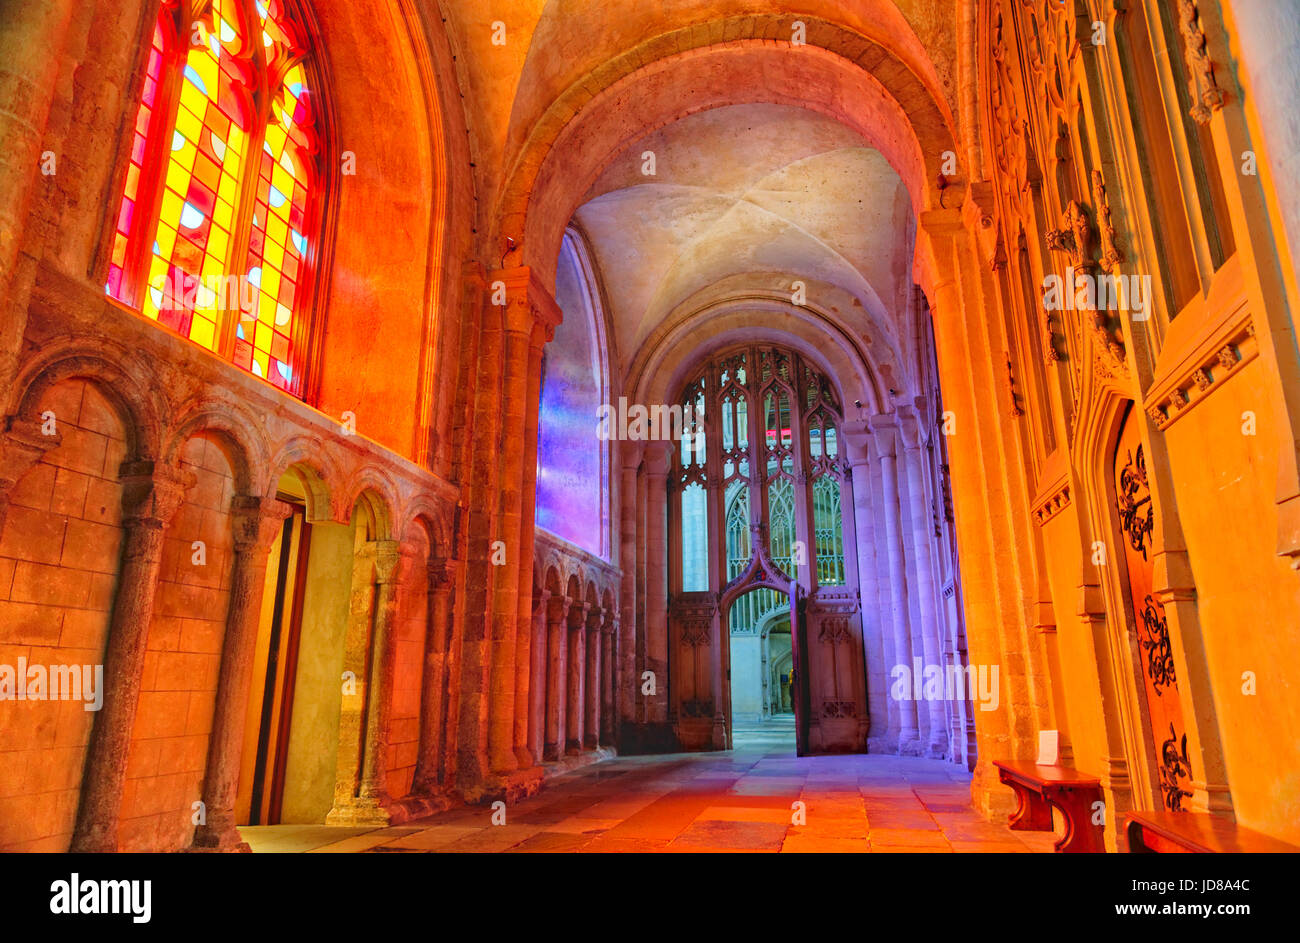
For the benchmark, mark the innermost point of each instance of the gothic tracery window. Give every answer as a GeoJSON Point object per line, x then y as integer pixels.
{"type": "Point", "coordinates": [216, 233]}
{"type": "Point", "coordinates": [767, 469]}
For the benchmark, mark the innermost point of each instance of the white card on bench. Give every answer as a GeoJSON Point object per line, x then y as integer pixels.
{"type": "Point", "coordinates": [1049, 747]}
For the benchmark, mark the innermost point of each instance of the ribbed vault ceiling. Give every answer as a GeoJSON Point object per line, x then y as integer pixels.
{"type": "Point", "coordinates": [750, 189]}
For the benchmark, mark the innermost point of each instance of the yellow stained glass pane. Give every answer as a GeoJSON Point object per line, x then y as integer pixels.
{"type": "Point", "coordinates": [277, 229]}
{"type": "Point", "coordinates": [270, 281]}
{"type": "Point", "coordinates": [188, 125]}
{"type": "Point", "coordinates": [166, 238]}
{"type": "Point", "coordinates": [265, 309]}
{"type": "Point", "coordinates": [171, 203]}
{"type": "Point", "coordinates": [204, 332]}
{"type": "Point", "coordinates": [224, 212]}
{"type": "Point", "coordinates": [218, 241]}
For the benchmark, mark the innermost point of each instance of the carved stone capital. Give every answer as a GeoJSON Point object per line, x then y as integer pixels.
{"type": "Point", "coordinates": [530, 309]}
{"type": "Point", "coordinates": [442, 571]}
{"type": "Point", "coordinates": [151, 495]}
{"type": "Point", "coordinates": [886, 431]}
{"type": "Point", "coordinates": [388, 553]}
{"type": "Point", "coordinates": [256, 521]}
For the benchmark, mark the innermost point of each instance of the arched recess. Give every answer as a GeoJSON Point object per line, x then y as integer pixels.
{"type": "Point", "coordinates": [61, 538]}
{"type": "Point", "coordinates": [567, 153]}
{"type": "Point", "coordinates": [773, 431]}
{"type": "Point", "coordinates": [573, 459]}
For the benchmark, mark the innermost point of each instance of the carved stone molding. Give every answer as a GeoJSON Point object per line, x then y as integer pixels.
{"type": "Point", "coordinates": [1015, 410]}
{"type": "Point", "coordinates": [1111, 255]}
{"type": "Point", "coordinates": [1206, 95]}
{"type": "Point", "coordinates": [1053, 506]}
{"type": "Point", "coordinates": [1201, 372]}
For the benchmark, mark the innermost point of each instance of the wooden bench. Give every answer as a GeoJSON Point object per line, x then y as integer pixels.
{"type": "Point", "coordinates": [1197, 833]}
{"type": "Point", "coordinates": [1040, 788]}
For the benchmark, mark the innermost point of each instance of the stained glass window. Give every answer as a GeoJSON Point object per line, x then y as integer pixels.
{"type": "Point", "coordinates": [215, 233]}
{"type": "Point", "coordinates": [780, 474]}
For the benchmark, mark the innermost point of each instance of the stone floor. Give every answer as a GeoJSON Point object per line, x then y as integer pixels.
{"type": "Point", "coordinates": [743, 800]}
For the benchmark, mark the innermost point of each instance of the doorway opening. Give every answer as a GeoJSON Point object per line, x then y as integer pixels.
{"type": "Point", "coordinates": [762, 675]}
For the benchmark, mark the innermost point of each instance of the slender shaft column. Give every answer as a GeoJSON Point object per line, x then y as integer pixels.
{"type": "Point", "coordinates": [256, 521]}
{"type": "Point", "coordinates": [594, 682]}
{"type": "Point", "coordinates": [609, 698]}
{"type": "Point", "coordinates": [501, 716]}
{"type": "Point", "coordinates": [625, 668]}
{"type": "Point", "coordinates": [150, 497]}
{"type": "Point", "coordinates": [526, 751]}
{"type": "Point", "coordinates": [885, 429]}
{"type": "Point", "coordinates": [531, 316]}
{"type": "Point", "coordinates": [537, 679]}
{"type": "Point", "coordinates": [656, 578]}
{"type": "Point", "coordinates": [557, 620]}
{"type": "Point", "coordinates": [875, 622]}
{"type": "Point", "coordinates": [430, 764]}
{"type": "Point", "coordinates": [379, 685]}
{"type": "Point", "coordinates": [926, 596]}
{"type": "Point", "coordinates": [577, 676]}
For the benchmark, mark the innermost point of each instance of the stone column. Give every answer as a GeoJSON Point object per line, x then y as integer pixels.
{"type": "Point", "coordinates": [379, 685]}
{"type": "Point", "coordinates": [926, 596]}
{"type": "Point", "coordinates": [609, 697]}
{"type": "Point", "coordinates": [885, 430]}
{"type": "Point", "coordinates": [431, 764]}
{"type": "Point", "coordinates": [150, 497]}
{"type": "Point", "coordinates": [577, 676]}
{"type": "Point", "coordinates": [594, 680]}
{"type": "Point", "coordinates": [656, 578]}
{"type": "Point", "coordinates": [531, 316]}
{"type": "Point", "coordinates": [527, 752]}
{"type": "Point", "coordinates": [625, 673]}
{"type": "Point", "coordinates": [256, 521]}
{"type": "Point", "coordinates": [537, 679]}
{"type": "Point", "coordinates": [557, 619]}
{"type": "Point", "coordinates": [882, 728]}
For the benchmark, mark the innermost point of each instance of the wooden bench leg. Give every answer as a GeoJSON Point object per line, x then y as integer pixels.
{"type": "Point", "coordinates": [1136, 846]}
{"type": "Point", "coordinates": [1080, 834]}
{"type": "Point", "coordinates": [1032, 813]}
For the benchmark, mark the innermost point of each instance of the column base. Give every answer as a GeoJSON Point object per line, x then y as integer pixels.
{"type": "Point", "coordinates": [910, 745]}
{"type": "Point", "coordinates": [418, 806]}
{"type": "Point", "coordinates": [360, 811]}
{"type": "Point", "coordinates": [937, 749]}
{"type": "Point", "coordinates": [882, 744]}
{"type": "Point", "coordinates": [219, 838]}
{"type": "Point", "coordinates": [509, 787]}
{"type": "Point", "coordinates": [569, 763]}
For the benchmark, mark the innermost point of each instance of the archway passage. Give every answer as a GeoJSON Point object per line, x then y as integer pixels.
{"type": "Point", "coordinates": [761, 678]}
{"type": "Point", "coordinates": [756, 523]}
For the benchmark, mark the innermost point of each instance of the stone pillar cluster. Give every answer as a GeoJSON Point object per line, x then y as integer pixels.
{"type": "Point", "coordinates": [574, 709]}
{"type": "Point", "coordinates": [910, 632]}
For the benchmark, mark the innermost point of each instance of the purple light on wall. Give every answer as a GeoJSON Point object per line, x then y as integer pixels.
{"type": "Point", "coordinates": [571, 491]}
